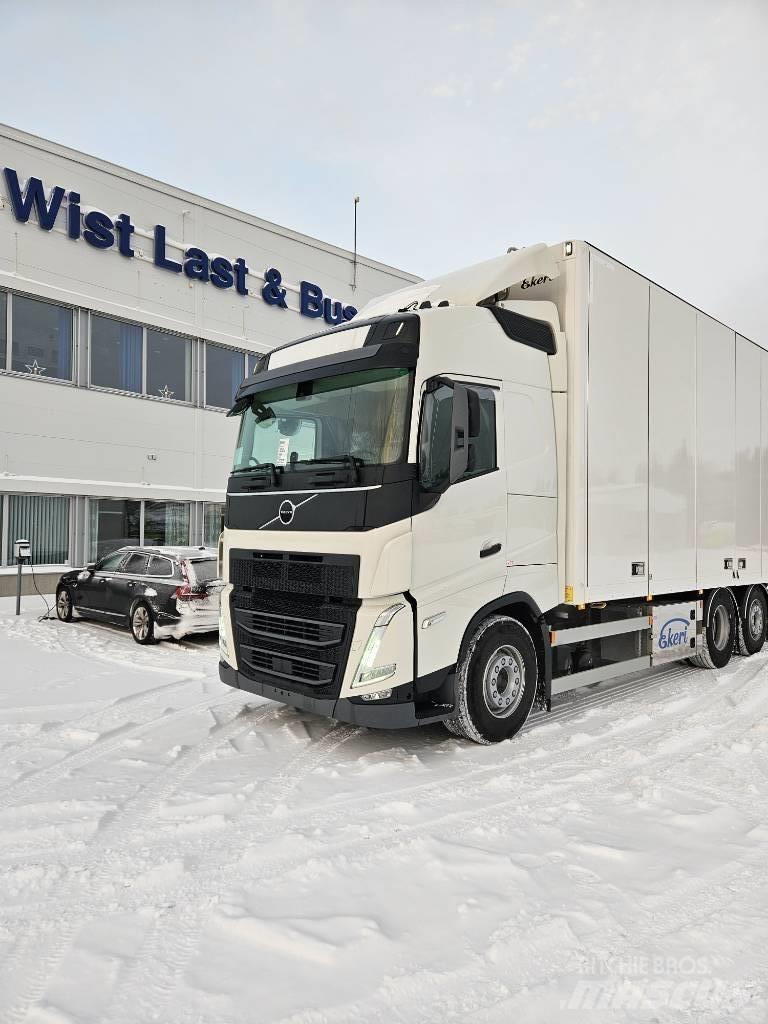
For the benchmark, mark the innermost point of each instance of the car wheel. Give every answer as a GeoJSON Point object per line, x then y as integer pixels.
{"type": "Point", "coordinates": [142, 624]}
{"type": "Point", "coordinates": [496, 682]}
{"type": "Point", "coordinates": [64, 604]}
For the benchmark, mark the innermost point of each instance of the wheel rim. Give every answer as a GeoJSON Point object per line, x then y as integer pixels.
{"type": "Point", "coordinates": [141, 623]}
{"type": "Point", "coordinates": [62, 603]}
{"type": "Point", "coordinates": [756, 619]}
{"type": "Point", "coordinates": [504, 681]}
{"type": "Point", "coordinates": [721, 627]}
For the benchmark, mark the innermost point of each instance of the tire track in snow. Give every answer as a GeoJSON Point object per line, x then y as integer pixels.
{"type": "Point", "coordinates": [229, 875]}
{"type": "Point", "coordinates": [22, 788]}
{"type": "Point", "coordinates": [181, 930]}
{"type": "Point", "coordinates": [37, 954]}
{"type": "Point", "coordinates": [338, 810]}
{"type": "Point", "coordinates": [182, 923]}
{"type": "Point", "coordinates": [98, 720]}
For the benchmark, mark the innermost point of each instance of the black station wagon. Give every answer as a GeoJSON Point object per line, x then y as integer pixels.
{"type": "Point", "coordinates": [156, 592]}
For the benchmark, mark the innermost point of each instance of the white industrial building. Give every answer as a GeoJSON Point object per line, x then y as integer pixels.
{"type": "Point", "coordinates": [130, 311]}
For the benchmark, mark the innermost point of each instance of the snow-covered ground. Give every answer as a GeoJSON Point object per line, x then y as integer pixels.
{"type": "Point", "coordinates": [171, 850]}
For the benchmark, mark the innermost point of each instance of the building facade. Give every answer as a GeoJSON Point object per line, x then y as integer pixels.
{"type": "Point", "coordinates": [130, 311]}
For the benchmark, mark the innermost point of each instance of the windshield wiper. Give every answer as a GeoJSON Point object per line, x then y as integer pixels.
{"type": "Point", "coordinates": [266, 467]}
{"type": "Point", "coordinates": [350, 461]}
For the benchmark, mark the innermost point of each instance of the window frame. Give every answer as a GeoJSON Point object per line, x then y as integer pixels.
{"type": "Point", "coordinates": [89, 355]}
{"type": "Point", "coordinates": [6, 366]}
{"type": "Point", "coordinates": [89, 540]}
{"type": "Point", "coordinates": [6, 557]}
{"type": "Point", "coordinates": [471, 385]}
{"type": "Point", "coordinates": [192, 340]}
{"type": "Point", "coordinates": [123, 568]}
{"type": "Point", "coordinates": [161, 558]}
{"type": "Point", "coordinates": [204, 365]}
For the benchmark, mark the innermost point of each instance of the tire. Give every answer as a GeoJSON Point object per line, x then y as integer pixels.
{"type": "Point", "coordinates": [752, 622]}
{"type": "Point", "coordinates": [64, 604]}
{"type": "Point", "coordinates": [496, 682]}
{"type": "Point", "coordinates": [142, 623]}
{"type": "Point", "coordinates": [720, 617]}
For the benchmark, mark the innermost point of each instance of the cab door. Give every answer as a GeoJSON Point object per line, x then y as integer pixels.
{"type": "Point", "coordinates": [460, 530]}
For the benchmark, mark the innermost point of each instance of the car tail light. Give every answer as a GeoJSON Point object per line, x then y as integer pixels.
{"type": "Point", "coordinates": [187, 592]}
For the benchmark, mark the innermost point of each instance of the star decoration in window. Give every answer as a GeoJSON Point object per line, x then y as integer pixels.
{"type": "Point", "coordinates": [35, 368]}
{"type": "Point", "coordinates": [165, 392]}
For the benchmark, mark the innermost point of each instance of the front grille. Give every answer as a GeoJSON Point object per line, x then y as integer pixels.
{"type": "Point", "coordinates": [287, 666]}
{"type": "Point", "coordinates": [312, 632]}
{"type": "Point", "coordinates": [290, 573]}
{"type": "Point", "coordinates": [294, 616]}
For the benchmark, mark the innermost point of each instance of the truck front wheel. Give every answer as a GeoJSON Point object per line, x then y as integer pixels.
{"type": "Point", "coordinates": [496, 682]}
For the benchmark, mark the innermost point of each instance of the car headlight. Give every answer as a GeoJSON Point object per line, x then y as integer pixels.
{"type": "Point", "coordinates": [366, 672]}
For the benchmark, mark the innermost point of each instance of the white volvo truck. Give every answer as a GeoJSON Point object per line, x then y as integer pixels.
{"type": "Point", "coordinates": [538, 473]}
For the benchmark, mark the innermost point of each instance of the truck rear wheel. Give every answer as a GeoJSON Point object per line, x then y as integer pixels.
{"type": "Point", "coordinates": [495, 682]}
{"type": "Point", "coordinates": [753, 615]}
{"type": "Point", "coordinates": [720, 617]}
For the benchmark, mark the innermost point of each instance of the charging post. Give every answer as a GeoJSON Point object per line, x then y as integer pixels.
{"type": "Point", "coordinates": [22, 553]}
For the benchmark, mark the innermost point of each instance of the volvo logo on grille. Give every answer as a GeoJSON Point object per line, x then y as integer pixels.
{"type": "Point", "coordinates": [286, 511]}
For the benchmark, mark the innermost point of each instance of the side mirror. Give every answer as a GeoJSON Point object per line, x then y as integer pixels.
{"type": "Point", "coordinates": [91, 567]}
{"type": "Point", "coordinates": [459, 433]}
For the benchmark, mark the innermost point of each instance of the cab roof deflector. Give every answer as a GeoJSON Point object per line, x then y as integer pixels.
{"type": "Point", "coordinates": [472, 285]}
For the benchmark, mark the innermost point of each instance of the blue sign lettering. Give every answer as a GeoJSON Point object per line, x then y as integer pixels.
{"type": "Point", "coordinates": [103, 232]}
{"type": "Point", "coordinates": [673, 633]}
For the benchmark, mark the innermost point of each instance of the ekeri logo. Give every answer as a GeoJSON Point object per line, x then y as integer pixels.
{"type": "Point", "coordinates": [673, 633]}
{"type": "Point", "coordinates": [531, 282]}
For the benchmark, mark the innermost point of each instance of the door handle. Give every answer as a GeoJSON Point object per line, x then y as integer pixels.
{"type": "Point", "coordinates": [490, 549]}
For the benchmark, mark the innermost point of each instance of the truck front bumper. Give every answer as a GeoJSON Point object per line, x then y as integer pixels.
{"type": "Point", "coordinates": [373, 714]}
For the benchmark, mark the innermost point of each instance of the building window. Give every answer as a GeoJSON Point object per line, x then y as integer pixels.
{"type": "Point", "coordinates": [169, 366]}
{"type": "Point", "coordinates": [113, 524]}
{"type": "Point", "coordinates": [116, 354]}
{"type": "Point", "coordinates": [166, 523]}
{"type": "Point", "coordinates": [41, 338]}
{"type": "Point", "coordinates": [224, 371]}
{"type": "Point", "coordinates": [213, 523]}
{"type": "Point", "coordinates": [43, 521]}
{"type": "Point", "coordinates": [3, 330]}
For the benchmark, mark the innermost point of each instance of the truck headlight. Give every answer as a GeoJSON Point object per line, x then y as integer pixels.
{"type": "Point", "coordinates": [366, 672]}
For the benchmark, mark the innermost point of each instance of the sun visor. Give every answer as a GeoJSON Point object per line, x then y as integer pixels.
{"type": "Point", "coordinates": [472, 285]}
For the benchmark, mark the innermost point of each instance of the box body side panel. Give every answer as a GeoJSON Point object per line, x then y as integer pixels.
{"type": "Point", "coordinates": [617, 446]}
{"type": "Point", "coordinates": [672, 443]}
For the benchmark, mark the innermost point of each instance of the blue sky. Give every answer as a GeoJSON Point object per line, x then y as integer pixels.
{"type": "Point", "coordinates": [465, 127]}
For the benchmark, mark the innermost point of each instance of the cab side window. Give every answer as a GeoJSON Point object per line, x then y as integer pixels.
{"type": "Point", "coordinates": [435, 435]}
{"type": "Point", "coordinates": [482, 432]}
{"type": "Point", "coordinates": [435, 440]}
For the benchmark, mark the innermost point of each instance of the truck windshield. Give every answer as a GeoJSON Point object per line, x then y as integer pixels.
{"type": "Point", "coordinates": [362, 415]}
